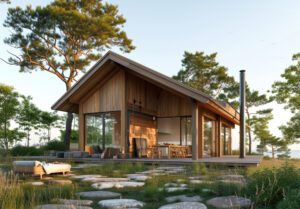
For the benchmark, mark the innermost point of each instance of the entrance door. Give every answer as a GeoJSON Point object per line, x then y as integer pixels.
{"type": "Point", "coordinates": [209, 138]}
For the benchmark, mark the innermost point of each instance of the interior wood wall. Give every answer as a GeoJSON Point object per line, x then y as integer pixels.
{"type": "Point", "coordinates": [142, 127]}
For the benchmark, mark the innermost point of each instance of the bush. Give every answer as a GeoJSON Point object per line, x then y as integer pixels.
{"type": "Point", "coordinates": [268, 187]}
{"type": "Point", "coordinates": [199, 169]}
{"type": "Point", "coordinates": [55, 145]}
{"type": "Point", "coordinates": [25, 151]}
{"type": "Point", "coordinates": [290, 201]}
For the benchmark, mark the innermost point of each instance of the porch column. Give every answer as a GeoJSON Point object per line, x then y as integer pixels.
{"type": "Point", "coordinates": [201, 134]}
{"type": "Point", "coordinates": [81, 128]}
{"type": "Point", "coordinates": [242, 113]}
{"type": "Point", "coordinates": [219, 129]}
{"type": "Point", "coordinates": [124, 118]}
{"type": "Point", "coordinates": [195, 118]}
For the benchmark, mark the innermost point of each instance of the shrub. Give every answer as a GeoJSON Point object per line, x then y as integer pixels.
{"type": "Point", "coordinates": [268, 187]}
{"type": "Point", "coordinates": [55, 145]}
{"type": "Point", "coordinates": [199, 169]}
{"type": "Point", "coordinates": [291, 200]}
{"type": "Point", "coordinates": [25, 151]}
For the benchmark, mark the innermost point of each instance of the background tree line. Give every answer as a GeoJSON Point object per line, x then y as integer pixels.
{"type": "Point", "coordinates": [20, 118]}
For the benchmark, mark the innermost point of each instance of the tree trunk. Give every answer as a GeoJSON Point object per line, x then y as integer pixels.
{"type": "Point", "coordinates": [5, 136]}
{"type": "Point", "coordinates": [28, 138]}
{"type": "Point", "coordinates": [273, 152]}
{"type": "Point", "coordinates": [249, 133]}
{"type": "Point", "coordinates": [69, 120]}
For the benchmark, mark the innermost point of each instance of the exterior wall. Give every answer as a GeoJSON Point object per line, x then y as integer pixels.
{"type": "Point", "coordinates": [107, 97]}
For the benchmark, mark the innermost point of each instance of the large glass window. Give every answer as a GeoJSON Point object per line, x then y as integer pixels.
{"type": "Point", "coordinates": [225, 137]}
{"type": "Point", "coordinates": [208, 138]}
{"type": "Point", "coordinates": [186, 131]}
{"type": "Point", "coordinates": [103, 129]}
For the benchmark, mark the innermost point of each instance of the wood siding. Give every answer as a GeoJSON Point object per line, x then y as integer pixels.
{"type": "Point", "coordinates": [107, 97]}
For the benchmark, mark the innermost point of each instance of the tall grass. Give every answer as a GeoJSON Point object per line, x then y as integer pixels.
{"type": "Point", "coordinates": [16, 195]}
{"type": "Point", "coordinates": [115, 169]}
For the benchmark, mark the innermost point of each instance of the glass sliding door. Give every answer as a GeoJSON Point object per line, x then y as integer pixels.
{"type": "Point", "coordinates": [209, 138]}
{"type": "Point", "coordinates": [103, 129]}
{"type": "Point", "coordinates": [186, 131]}
{"type": "Point", "coordinates": [225, 137]}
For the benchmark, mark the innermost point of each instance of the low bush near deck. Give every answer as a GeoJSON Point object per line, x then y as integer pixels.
{"type": "Point", "coordinates": [25, 151]}
{"type": "Point", "coordinates": [271, 188]}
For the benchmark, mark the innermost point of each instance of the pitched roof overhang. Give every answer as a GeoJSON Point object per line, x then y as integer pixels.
{"type": "Point", "coordinates": [70, 100]}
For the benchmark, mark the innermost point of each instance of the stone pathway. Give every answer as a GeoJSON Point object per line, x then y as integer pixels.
{"type": "Point", "coordinates": [86, 176]}
{"type": "Point", "coordinates": [36, 183]}
{"type": "Point", "coordinates": [104, 179]}
{"type": "Point", "coordinates": [138, 177]}
{"type": "Point", "coordinates": [233, 179]}
{"type": "Point", "coordinates": [232, 202]}
{"type": "Point", "coordinates": [184, 205]}
{"type": "Point", "coordinates": [60, 182]}
{"type": "Point", "coordinates": [75, 202]}
{"type": "Point", "coordinates": [61, 206]}
{"type": "Point", "coordinates": [120, 203]}
{"type": "Point", "coordinates": [121, 184]}
{"type": "Point", "coordinates": [174, 187]}
{"type": "Point", "coordinates": [99, 194]}
{"type": "Point", "coordinates": [184, 198]}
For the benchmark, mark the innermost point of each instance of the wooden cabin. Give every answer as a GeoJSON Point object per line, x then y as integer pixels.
{"type": "Point", "coordinates": [124, 105]}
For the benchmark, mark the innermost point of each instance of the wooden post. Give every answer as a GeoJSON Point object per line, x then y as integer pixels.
{"type": "Point", "coordinates": [81, 127]}
{"type": "Point", "coordinates": [124, 117]}
{"type": "Point", "coordinates": [195, 115]}
{"type": "Point", "coordinates": [201, 134]}
{"type": "Point", "coordinates": [219, 140]}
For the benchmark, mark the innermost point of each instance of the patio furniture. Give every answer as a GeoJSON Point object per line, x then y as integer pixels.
{"type": "Point", "coordinates": [110, 152]}
{"type": "Point", "coordinates": [39, 168]}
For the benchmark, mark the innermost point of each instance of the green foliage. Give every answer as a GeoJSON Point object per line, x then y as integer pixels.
{"type": "Point", "coordinates": [199, 169]}
{"type": "Point", "coordinates": [291, 131]}
{"type": "Point", "coordinates": [25, 151]}
{"type": "Point", "coordinates": [268, 187]}
{"type": "Point", "coordinates": [74, 135]}
{"type": "Point", "coordinates": [65, 36]}
{"type": "Point", "coordinates": [28, 117]}
{"type": "Point", "coordinates": [47, 121]}
{"type": "Point", "coordinates": [16, 195]}
{"type": "Point", "coordinates": [9, 107]}
{"type": "Point", "coordinates": [115, 169]}
{"type": "Point", "coordinates": [291, 200]}
{"type": "Point", "coordinates": [287, 90]}
{"type": "Point", "coordinates": [204, 73]}
{"type": "Point", "coordinates": [54, 145]}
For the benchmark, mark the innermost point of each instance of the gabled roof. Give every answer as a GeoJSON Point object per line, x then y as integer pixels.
{"type": "Point", "coordinates": [151, 75]}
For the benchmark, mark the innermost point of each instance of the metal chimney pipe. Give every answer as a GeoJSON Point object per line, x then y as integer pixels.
{"type": "Point", "coordinates": [242, 113]}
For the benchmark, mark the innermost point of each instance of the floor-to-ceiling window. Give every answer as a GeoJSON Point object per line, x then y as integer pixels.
{"type": "Point", "coordinates": [209, 138]}
{"type": "Point", "coordinates": [103, 129]}
{"type": "Point", "coordinates": [186, 131]}
{"type": "Point", "coordinates": [225, 137]}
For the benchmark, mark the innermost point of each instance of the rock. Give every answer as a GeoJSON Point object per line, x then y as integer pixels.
{"type": "Point", "coordinates": [196, 181]}
{"type": "Point", "coordinates": [61, 182]}
{"type": "Point", "coordinates": [138, 177]}
{"type": "Point", "coordinates": [229, 202]}
{"type": "Point", "coordinates": [121, 184]}
{"type": "Point", "coordinates": [120, 203]}
{"type": "Point", "coordinates": [75, 202]}
{"type": "Point", "coordinates": [86, 176]}
{"type": "Point", "coordinates": [96, 179]}
{"type": "Point", "coordinates": [183, 198]}
{"type": "Point", "coordinates": [184, 205]}
{"type": "Point", "coordinates": [175, 189]}
{"type": "Point", "coordinates": [170, 185]}
{"type": "Point", "coordinates": [47, 178]}
{"type": "Point", "coordinates": [99, 194]}
{"type": "Point", "coordinates": [61, 206]}
{"type": "Point", "coordinates": [36, 183]}
{"type": "Point", "coordinates": [205, 190]}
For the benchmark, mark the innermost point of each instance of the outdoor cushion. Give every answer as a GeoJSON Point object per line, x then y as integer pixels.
{"type": "Point", "coordinates": [56, 168]}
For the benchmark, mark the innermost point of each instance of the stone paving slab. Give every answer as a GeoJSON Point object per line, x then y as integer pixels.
{"type": "Point", "coordinates": [121, 184]}
{"type": "Point", "coordinates": [61, 182]}
{"type": "Point", "coordinates": [99, 194]}
{"type": "Point", "coordinates": [86, 176]}
{"type": "Point", "coordinates": [184, 205]}
{"type": "Point", "coordinates": [75, 202]}
{"type": "Point", "coordinates": [184, 198]}
{"type": "Point", "coordinates": [232, 202]}
{"type": "Point", "coordinates": [120, 203]}
{"type": "Point", "coordinates": [104, 179]}
{"type": "Point", "coordinates": [61, 206]}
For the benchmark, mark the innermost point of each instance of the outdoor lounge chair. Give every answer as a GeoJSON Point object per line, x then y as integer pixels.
{"type": "Point", "coordinates": [39, 168]}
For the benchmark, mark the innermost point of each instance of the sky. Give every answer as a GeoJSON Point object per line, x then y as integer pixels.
{"type": "Point", "coordinates": [259, 36]}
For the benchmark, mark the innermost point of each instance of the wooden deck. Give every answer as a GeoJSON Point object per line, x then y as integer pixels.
{"type": "Point", "coordinates": [223, 161]}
